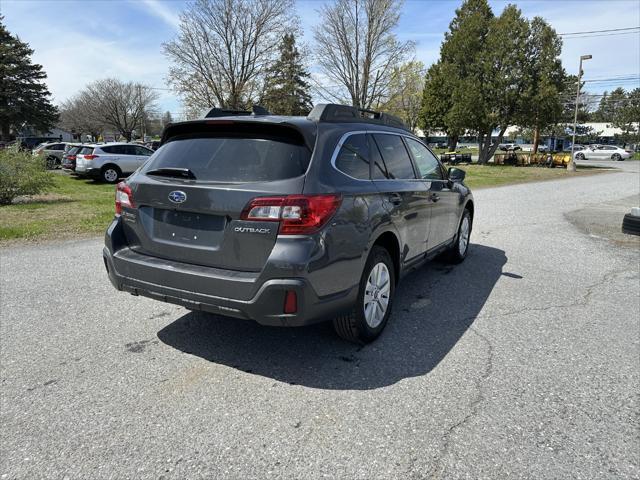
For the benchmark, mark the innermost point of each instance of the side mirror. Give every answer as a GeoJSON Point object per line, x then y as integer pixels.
{"type": "Point", "coordinates": [456, 175]}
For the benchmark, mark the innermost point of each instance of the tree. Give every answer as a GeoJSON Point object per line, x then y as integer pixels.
{"type": "Point", "coordinates": [76, 116]}
{"type": "Point", "coordinates": [405, 93]}
{"type": "Point", "coordinates": [24, 98]}
{"type": "Point", "coordinates": [628, 116]}
{"type": "Point", "coordinates": [437, 102]}
{"type": "Point", "coordinates": [610, 105]}
{"type": "Point", "coordinates": [167, 118]}
{"type": "Point", "coordinates": [543, 98]}
{"type": "Point", "coordinates": [286, 88]}
{"type": "Point", "coordinates": [122, 106]}
{"type": "Point", "coordinates": [454, 82]}
{"type": "Point", "coordinates": [223, 49]}
{"type": "Point", "coordinates": [357, 49]}
{"type": "Point", "coordinates": [484, 83]}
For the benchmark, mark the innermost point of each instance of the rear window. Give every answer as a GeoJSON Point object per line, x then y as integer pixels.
{"type": "Point", "coordinates": [86, 151]}
{"type": "Point", "coordinates": [233, 159]}
{"type": "Point", "coordinates": [74, 150]}
{"type": "Point", "coordinates": [353, 157]}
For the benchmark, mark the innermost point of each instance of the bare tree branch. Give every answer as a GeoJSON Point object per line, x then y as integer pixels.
{"type": "Point", "coordinates": [356, 47]}
{"type": "Point", "coordinates": [224, 48]}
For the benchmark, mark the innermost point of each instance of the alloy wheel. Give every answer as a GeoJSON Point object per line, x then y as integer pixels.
{"type": "Point", "coordinates": [376, 294]}
{"type": "Point", "coordinates": [463, 237]}
{"type": "Point", "coordinates": [110, 175]}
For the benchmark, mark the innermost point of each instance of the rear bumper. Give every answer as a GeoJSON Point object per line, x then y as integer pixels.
{"type": "Point", "coordinates": [88, 172]}
{"type": "Point", "coordinates": [243, 295]}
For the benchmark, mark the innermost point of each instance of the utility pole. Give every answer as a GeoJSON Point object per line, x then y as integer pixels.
{"type": "Point", "coordinates": [571, 166]}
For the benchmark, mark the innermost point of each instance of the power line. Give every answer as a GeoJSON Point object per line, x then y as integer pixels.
{"type": "Point", "coordinates": [600, 31]}
{"type": "Point", "coordinates": [602, 35]}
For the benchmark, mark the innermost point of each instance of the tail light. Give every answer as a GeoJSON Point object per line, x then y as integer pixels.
{"type": "Point", "coordinates": [124, 197]}
{"type": "Point", "coordinates": [90, 157]}
{"type": "Point", "coordinates": [297, 214]}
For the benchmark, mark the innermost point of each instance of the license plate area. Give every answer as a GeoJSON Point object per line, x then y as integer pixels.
{"type": "Point", "coordinates": [186, 228]}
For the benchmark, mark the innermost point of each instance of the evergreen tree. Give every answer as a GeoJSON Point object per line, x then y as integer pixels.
{"type": "Point", "coordinates": [286, 89]}
{"type": "Point", "coordinates": [167, 118]}
{"type": "Point", "coordinates": [24, 98]}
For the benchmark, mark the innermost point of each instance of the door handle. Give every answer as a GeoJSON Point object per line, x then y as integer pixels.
{"type": "Point", "coordinates": [395, 198]}
{"type": "Point", "coordinates": [435, 197]}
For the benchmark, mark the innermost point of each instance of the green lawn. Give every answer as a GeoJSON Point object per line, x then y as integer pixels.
{"type": "Point", "coordinates": [440, 151]}
{"type": "Point", "coordinates": [73, 207]}
{"type": "Point", "coordinates": [484, 176]}
{"type": "Point", "coordinates": [76, 208]}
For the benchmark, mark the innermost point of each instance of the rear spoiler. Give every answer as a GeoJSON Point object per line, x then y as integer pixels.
{"type": "Point", "coordinates": [233, 125]}
{"type": "Point", "coordinates": [221, 112]}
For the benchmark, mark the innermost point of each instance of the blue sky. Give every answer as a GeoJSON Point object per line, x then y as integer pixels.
{"type": "Point", "coordinates": [81, 41]}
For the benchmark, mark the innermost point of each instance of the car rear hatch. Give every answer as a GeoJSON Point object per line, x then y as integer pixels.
{"type": "Point", "coordinates": [189, 198]}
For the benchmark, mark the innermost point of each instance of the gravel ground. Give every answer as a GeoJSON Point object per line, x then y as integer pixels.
{"type": "Point", "coordinates": [523, 362]}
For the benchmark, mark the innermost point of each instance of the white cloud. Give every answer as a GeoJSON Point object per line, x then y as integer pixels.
{"type": "Point", "coordinates": [164, 13]}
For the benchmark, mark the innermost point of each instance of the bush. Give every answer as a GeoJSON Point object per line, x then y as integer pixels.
{"type": "Point", "coordinates": [21, 174]}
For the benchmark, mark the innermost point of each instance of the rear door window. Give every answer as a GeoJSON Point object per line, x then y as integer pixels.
{"type": "Point", "coordinates": [143, 151]}
{"type": "Point", "coordinates": [395, 156]}
{"type": "Point", "coordinates": [234, 158]}
{"type": "Point", "coordinates": [353, 157]}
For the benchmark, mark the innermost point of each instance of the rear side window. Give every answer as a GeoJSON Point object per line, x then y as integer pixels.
{"type": "Point", "coordinates": [353, 157]}
{"type": "Point", "coordinates": [142, 151]}
{"type": "Point", "coordinates": [233, 158]}
{"type": "Point", "coordinates": [426, 162]}
{"type": "Point", "coordinates": [395, 156]}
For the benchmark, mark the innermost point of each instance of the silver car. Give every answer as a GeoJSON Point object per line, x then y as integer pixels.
{"type": "Point", "coordinates": [52, 153]}
{"type": "Point", "coordinates": [110, 161]}
{"type": "Point", "coordinates": [602, 152]}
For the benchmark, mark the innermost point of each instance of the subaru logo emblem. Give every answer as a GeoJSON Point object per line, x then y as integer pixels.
{"type": "Point", "coordinates": [177, 196]}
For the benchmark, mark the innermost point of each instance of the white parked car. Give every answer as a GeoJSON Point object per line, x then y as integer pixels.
{"type": "Point", "coordinates": [110, 161]}
{"type": "Point", "coordinates": [602, 152]}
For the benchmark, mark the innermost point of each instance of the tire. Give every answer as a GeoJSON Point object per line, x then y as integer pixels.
{"type": "Point", "coordinates": [458, 252]}
{"type": "Point", "coordinates": [616, 157]}
{"type": "Point", "coordinates": [579, 156]}
{"type": "Point", "coordinates": [366, 321]}
{"type": "Point", "coordinates": [110, 174]}
{"type": "Point", "coordinates": [51, 163]}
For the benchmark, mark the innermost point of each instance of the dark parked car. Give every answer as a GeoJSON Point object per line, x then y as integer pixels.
{"type": "Point", "coordinates": [287, 220]}
{"type": "Point", "coordinates": [69, 158]}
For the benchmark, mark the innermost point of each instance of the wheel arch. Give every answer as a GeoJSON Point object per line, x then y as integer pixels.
{"type": "Point", "coordinates": [389, 241]}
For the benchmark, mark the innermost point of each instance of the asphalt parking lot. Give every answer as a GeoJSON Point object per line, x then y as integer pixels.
{"type": "Point", "coordinates": [523, 362]}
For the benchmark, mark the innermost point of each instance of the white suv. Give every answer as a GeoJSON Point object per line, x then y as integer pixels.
{"type": "Point", "coordinates": [110, 161]}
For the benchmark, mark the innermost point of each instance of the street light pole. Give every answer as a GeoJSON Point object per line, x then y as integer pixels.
{"type": "Point", "coordinates": [571, 166]}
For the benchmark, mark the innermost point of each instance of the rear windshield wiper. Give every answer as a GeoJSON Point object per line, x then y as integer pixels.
{"type": "Point", "coordinates": [172, 172]}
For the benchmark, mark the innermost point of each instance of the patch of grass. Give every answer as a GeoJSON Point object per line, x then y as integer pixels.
{"type": "Point", "coordinates": [484, 176]}
{"type": "Point", "coordinates": [84, 208]}
{"type": "Point", "coordinates": [440, 151]}
{"type": "Point", "coordinates": [635, 156]}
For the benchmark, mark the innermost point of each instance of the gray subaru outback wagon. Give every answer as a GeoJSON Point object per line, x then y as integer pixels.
{"type": "Point", "coordinates": [287, 220]}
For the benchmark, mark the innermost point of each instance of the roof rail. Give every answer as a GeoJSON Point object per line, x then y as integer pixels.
{"type": "Point", "coordinates": [222, 112]}
{"type": "Point", "coordinates": [331, 112]}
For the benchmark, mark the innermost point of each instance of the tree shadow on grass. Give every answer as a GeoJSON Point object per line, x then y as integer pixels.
{"type": "Point", "coordinates": [434, 307]}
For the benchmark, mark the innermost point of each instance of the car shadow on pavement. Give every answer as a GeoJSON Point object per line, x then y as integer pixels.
{"type": "Point", "coordinates": [434, 307]}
